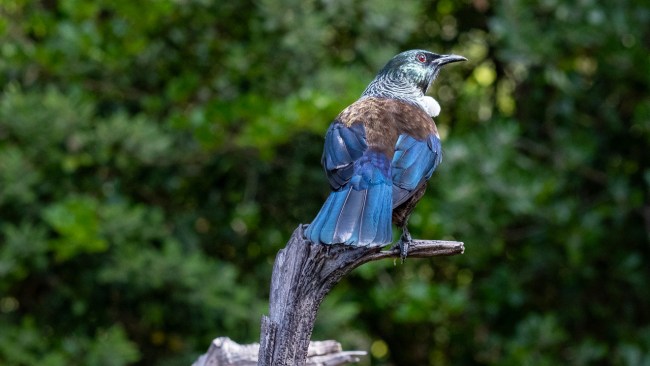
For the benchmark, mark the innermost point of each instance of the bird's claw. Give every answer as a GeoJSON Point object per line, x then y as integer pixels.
{"type": "Point", "coordinates": [403, 249]}
{"type": "Point", "coordinates": [403, 244]}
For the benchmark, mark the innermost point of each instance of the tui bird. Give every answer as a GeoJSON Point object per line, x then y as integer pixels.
{"type": "Point", "coordinates": [379, 154]}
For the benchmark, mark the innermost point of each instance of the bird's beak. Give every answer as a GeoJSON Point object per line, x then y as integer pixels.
{"type": "Point", "coordinates": [447, 59]}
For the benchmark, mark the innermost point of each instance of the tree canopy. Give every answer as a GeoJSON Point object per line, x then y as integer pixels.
{"type": "Point", "coordinates": [155, 155]}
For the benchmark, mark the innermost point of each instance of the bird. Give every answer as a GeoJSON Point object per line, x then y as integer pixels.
{"type": "Point", "coordinates": [379, 154]}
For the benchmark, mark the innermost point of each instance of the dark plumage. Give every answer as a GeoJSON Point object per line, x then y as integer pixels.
{"type": "Point", "coordinates": [379, 154]}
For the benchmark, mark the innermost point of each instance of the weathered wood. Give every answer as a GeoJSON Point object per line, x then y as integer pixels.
{"type": "Point", "coordinates": [225, 352]}
{"type": "Point", "coordinates": [303, 274]}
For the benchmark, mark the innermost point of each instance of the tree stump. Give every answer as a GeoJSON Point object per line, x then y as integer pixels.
{"type": "Point", "coordinates": [225, 352]}
{"type": "Point", "coordinates": [303, 274]}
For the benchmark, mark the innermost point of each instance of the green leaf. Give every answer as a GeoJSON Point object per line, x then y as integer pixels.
{"type": "Point", "coordinates": [76, 222]}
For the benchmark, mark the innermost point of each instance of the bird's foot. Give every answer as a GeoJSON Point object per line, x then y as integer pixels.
{"type": "Point", "coordinates": [403, 244]}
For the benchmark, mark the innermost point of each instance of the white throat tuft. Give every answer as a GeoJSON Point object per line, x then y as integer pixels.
{"type": "Point", "coordinates": [429, 105]}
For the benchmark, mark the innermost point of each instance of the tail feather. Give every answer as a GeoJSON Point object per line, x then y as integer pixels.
{"type": "Point", "coordinates": [385, 232]}
{"type": "Point", "coordinates": [347, 223]}
{"type": "Point", "coordinates": [359, 217]}
{"type": "Point", "coordinates": [316, 226]}
{"type": "Point", "coordinates": [375, 225]}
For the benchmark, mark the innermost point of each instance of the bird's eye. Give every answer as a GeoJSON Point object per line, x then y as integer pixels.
{"type": "Point", "coordinates": [421, 57]}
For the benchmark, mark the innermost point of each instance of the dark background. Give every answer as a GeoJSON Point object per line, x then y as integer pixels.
{"type": "Point", "coordinates": [155, 155]}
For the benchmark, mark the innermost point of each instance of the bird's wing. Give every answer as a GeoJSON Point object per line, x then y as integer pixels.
{"type": "Point", "coordinates": [343, 146]}
{"type": "Point", "coordinates": [413, 164]}
{"type": "Point", "coordinates": [358, 210]}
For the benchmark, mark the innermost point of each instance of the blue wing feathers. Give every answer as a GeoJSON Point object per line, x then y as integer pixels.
{"type": "Point", "coordinates": [413, 164]}
{"type": "Point", "coordinates": [354, 140]}
{"type": "Point", "coordinates": [343, 146]}
{"type": "Point", "coordinates": [410, 168]}
{"type": "Point", "coordinates": [366, 185]}
{"type": "Point", "coordinates": [358, 210]}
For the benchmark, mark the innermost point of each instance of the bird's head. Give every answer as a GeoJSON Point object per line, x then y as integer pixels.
{"type": "Point", "coordinates": [409, 74]}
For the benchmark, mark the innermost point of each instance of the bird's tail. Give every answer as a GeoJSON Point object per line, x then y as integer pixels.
{"type": "Point", "coordinates": [359, 217]}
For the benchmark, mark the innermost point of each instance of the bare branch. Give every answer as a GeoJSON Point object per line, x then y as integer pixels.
{"type": "Point", "coordinates": [423, 249]}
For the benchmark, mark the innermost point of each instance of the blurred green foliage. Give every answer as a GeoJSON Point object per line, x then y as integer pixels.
{"type": "Point", "coordinates": [155, 155]}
